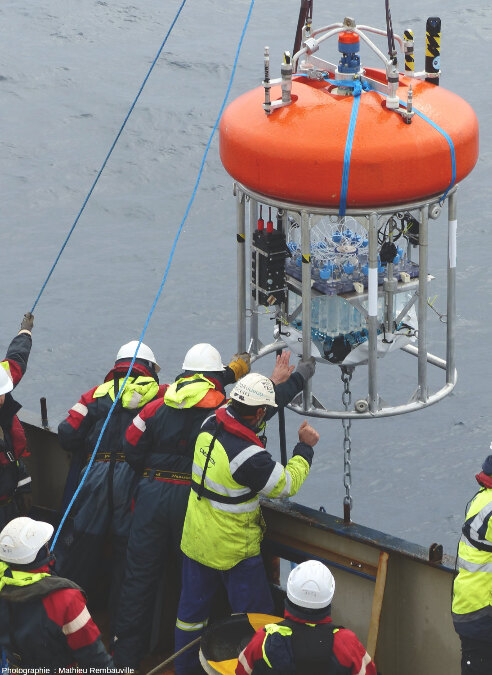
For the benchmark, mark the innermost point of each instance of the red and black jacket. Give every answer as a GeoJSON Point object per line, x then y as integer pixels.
{"type": "Point", "coordinates": [47, 624]}
{"type": "Point", "coordinates": [313, 647]}
{"type": "Point", "coordinates": [163, 438]}
{"type": "Point", "coordinates": [13, 474]}
{"type": "Point", "coordinates": [80, 431]}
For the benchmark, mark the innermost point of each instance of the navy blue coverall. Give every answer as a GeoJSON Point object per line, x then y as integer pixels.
{"type": "Point", "coordinates": [103, 509]}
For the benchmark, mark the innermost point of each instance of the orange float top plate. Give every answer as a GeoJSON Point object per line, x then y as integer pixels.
{"type": "Point", "coordinates": [296, 153]}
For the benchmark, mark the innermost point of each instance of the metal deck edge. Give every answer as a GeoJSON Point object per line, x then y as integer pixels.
{"type": "Point", "coordinates": [359, 533]}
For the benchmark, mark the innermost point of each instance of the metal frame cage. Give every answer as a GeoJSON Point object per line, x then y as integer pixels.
{"type": "Point", "coordinates": [305, 217]}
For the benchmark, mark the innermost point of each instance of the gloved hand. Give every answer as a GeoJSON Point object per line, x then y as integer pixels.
{"type": "Point", "coordinates": [306, 368]}
{"type": "Point", "coordinates": [27, 321]}
{"type": "Point", "coordinates": [240, 364]}
{"type": "Point", "coordinates": [24, 502]}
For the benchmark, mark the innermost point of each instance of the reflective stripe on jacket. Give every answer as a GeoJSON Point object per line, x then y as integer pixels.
{"type": "Point", "coordinates": [223, 522]}
{"type": "Point", "coordinates": [472, 589]}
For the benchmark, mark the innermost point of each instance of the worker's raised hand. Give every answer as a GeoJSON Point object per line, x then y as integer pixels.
{"type": "Point", "coordinates": [240, 364]}
{"type": "Point", "coordinates": [282, 370]}
{"type": "Point", "coordinates": [27, 321]}
{"type": "Point", "coordinates": [306, 368]}
{"type": "Point", "coordinates": [308, 435]}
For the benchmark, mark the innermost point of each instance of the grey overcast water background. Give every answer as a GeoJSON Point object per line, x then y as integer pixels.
{"type": "Point", "coordinates": [69, 71]}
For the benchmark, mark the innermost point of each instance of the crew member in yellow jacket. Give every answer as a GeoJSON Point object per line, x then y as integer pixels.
{"type": "Point", "coordinates": [223, 527]}
{"type": "Point", "coordinates": [472, 590]}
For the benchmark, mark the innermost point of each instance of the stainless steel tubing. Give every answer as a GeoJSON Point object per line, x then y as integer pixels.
{"type": "Point", "coordinates": [253, 326]}
{"type": "Point", "coordinates": [451, 295]}
{"type": "Point", "coordinates": [422, 304]}
{"type": "Point", "coordinates": [306, 301]}
{"type": "Point", "coordinates": [372, 318]}
{"type": "Point", "coordinates": [241, 272]}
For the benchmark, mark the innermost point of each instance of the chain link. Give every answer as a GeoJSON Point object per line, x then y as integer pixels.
{"type": "Point", "coordinates": [347, 443]}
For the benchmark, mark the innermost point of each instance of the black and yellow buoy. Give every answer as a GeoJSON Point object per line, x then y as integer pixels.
{"type": "Point", "coordinates": [224, 640]}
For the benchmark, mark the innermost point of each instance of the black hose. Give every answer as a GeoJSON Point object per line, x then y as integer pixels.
{"type": "Point", "coordinates": [389, 31]}
{"type": "Point", "coordinates": [281, 430]}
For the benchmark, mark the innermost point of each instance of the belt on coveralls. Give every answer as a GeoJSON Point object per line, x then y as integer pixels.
{"type": "Point", "coordinates": [168, 476]}
{"type": "Point", "coordinates": [106, 457]}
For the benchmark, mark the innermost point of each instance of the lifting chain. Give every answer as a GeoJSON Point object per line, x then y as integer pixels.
{"type": "Point", "coordinates": [347, 443]}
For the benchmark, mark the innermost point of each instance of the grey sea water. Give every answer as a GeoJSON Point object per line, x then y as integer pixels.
{"type": "Point", "coordinates": [68, 74]}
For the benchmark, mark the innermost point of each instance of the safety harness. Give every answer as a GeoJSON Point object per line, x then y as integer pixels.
{"type": "Point", "coordinates": [230, 424]}
{"type": "Point", "coordinates": [293, 647]}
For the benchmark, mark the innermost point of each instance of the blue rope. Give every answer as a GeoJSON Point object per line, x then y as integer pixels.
{"type": "Point", "coordinates": [171, 255]}
{"type": "Point", "coordinates": [347, 155]}
{"type": "Point", "coordinates": [358, 87]}
{"type": "Point", "coordinates": [108, 155]}
{"type": "Point", "coordinates": [451, 148]}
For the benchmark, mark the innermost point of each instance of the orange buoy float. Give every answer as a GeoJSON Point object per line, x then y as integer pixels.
{"type": "Point", "coordinates": [297, 153]}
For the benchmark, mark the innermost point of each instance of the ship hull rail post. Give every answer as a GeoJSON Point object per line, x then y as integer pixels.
{"type": "Point", "coordinates": [425, 211]}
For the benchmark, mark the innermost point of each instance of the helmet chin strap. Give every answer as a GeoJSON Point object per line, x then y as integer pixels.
{"type": "Point", "coordinates": [257, 425]}
{"type": "Point", "coordinates": [49, 558]}
{"type": "Point", "coordinates": [39, 561]}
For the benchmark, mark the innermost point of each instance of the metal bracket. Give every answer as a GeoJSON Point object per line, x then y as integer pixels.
{"type": "Point", "coordinates": [435, 553]}
{"type": "Point", "coordinates": [298, 402]}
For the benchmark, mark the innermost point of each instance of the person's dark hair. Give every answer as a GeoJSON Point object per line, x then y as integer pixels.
{"type": "Point", "coordinates": [307, 614]}
{"type": "Point", "coordinates": [487, 465]}
{"type": "Point", "coordinates": [215, 374]}
{"type": "Point", "coordinates": [244, 410]}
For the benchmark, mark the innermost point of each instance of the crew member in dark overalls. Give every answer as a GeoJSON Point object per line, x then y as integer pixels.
{"type": "Point", "coordinates": [103, 508]}
{"type": "Point", "coordinates": [15, 482]}
{"type": "Point", "coordinates": [44, 621]}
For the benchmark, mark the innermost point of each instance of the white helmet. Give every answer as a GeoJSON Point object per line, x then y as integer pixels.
{"type": "Point", "coordinates": [21, 539]}
{"type": "Point", "coordinates": [127, 351]}
{"type": "Point", "coordinates": [311, 585]}
{"type": "Point", "coordinates": [203, 358]}
{"type": "Point", "coordinates": [254, 389]}
{"type": "Point", "coordinates": [6, 383]}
